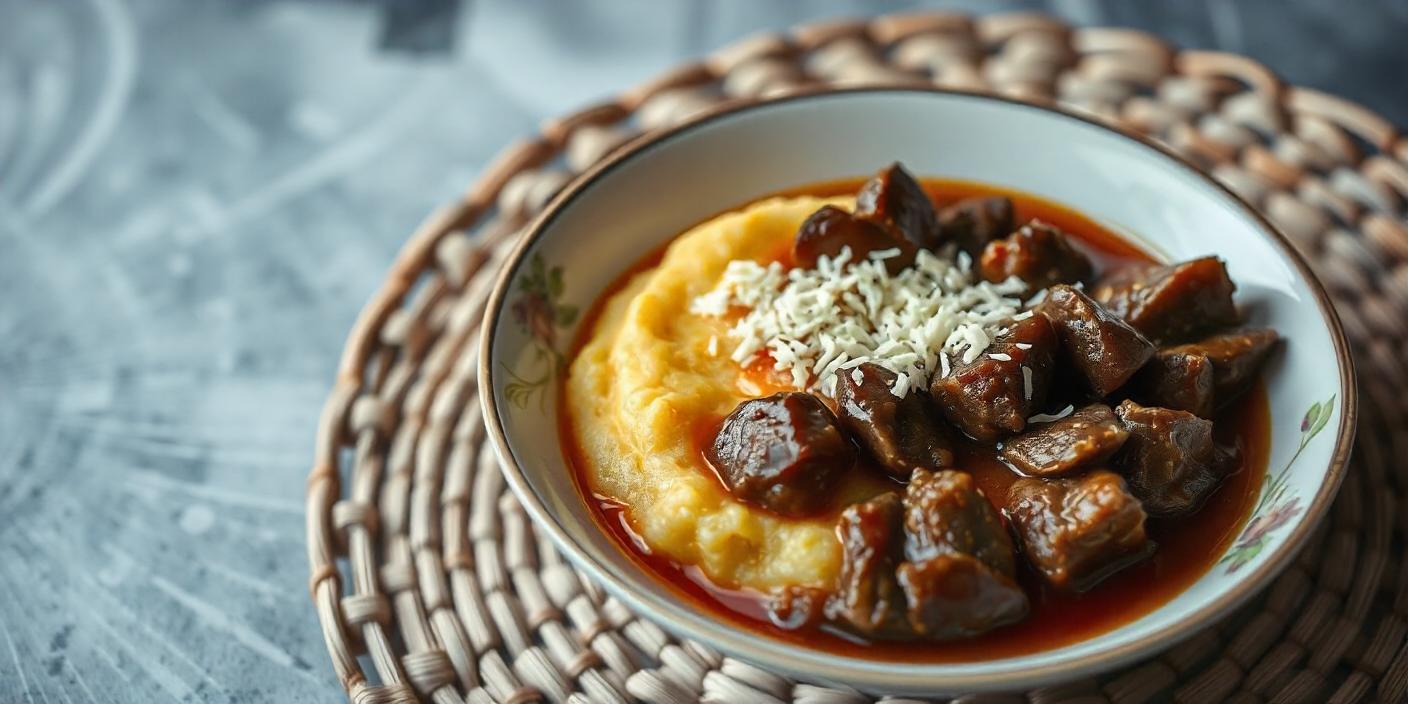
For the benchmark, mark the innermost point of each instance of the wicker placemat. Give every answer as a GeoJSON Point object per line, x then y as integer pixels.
{"type": "Point", "coordinates": [431, 585]}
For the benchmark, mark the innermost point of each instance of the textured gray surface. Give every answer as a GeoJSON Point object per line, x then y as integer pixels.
{"type": "Point", "coordinates": [195, 199]}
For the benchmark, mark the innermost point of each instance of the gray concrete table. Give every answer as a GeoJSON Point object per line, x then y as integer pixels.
{"type": "Point", "coordinates": [196, 198]}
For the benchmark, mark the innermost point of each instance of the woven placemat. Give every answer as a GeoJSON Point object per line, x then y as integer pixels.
{"type": "Point", "coordinates": [431, 585]}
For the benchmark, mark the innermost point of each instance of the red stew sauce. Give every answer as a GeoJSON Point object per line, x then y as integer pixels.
{"type": "Point", "coordinates": [1187, 546]}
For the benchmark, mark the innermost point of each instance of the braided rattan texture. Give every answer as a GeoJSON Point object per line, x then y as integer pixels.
{"type": "Point", "coordinates": [431, 585]}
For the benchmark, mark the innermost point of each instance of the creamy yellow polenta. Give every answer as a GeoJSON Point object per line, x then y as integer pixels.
{"type": "Point", "coordinates": [645, 380]}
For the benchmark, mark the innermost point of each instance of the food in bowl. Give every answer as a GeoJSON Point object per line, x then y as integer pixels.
{"type": "Point", "coordinates": [939, 419]}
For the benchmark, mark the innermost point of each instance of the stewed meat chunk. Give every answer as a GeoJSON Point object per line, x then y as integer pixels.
{"type": "Point", "coordinates": [1171, 303]}
{"type": "Point", "coordinates": [1076, 532]}
{"type": "Point", "coordinates": [937, 564]}
{"type": "Point", "coordinates": [872, 546]}
{"type": "Point", "coordinates": [959, 565]}
{"type": "Point", "coordinates": [1038, 254]}
{"type": "Point", "coordinates": [957, 596]}
{"type": "Point", "coordinates": [1088, 437]}
{"type": "Point", "coordinates": [945, 512]}
{"type": "Point", "coordinates": [893, 198]}
{"type": "Point", "coordinates": [831, 229]}
{"type": "Point", "coordinates": [899, 433]}
{"type": "Point", "coordinates": [1170, 458]}
{"type": "Point", "coordinates": [783, 452]}
{"type": "Point", "coordinates": [971, 223]}
{"type": "Point", "coordinates": [991, 396]}
{"type": "Point", "coordinates": [1236, 358]}
{"type": "Point", "coordinates": [1181, 381]}
{"type": "Point", "coordinates": [1105, 349]}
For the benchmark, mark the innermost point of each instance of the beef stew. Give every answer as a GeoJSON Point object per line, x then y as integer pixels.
{"type": "Point", "coordinates": [900, 566]}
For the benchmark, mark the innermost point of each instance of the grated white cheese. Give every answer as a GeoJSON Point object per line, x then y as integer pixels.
{"type": "Point", "coordinates": [1047, 418]}
{"type": "Point", "coordinates": [815, 323]}
{"type": "Point", "coordinates": [1001, 356]}
{"type": "Point", "coordinates": [1027, 382]}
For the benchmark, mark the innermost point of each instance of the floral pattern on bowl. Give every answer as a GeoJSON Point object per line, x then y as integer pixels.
{"type": "Point", "coordinates": [539, 313]}
{"type": "Point", "coordinates": [1275, 509]}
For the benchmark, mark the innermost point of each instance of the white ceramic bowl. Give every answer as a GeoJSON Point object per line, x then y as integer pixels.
{"type": "Point", "coordinates": [657, 187]}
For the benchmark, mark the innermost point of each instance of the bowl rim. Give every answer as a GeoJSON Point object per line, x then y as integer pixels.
{"type": "Point", "coordinates": [686, 622]}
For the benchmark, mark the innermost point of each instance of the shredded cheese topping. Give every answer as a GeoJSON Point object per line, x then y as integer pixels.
{"type": "Point", "coordinates": [816, 323]}
{"type": "Point", "coordinates": [1049, 417]}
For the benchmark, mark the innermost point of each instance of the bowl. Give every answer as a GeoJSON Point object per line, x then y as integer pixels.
{"type": "Point", "coordinates": [656, 187]}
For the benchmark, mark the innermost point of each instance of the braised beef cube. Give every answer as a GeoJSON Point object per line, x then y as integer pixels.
{"type": "Point", "coordinates": [1076, 532]}
{"type": "Point", "coordinates": [1087, 438]}
{"type": "Point", "coordinates": [971, 223]}
{"type": "Point", "coordinates": [894, 199]}
{"type": "Point", "coordinates": [872, 546]}
{"type": "Point", "coordinates": [1180, 381]}
{"type": "Point", "coordinates": [1170, 459]}
{"type": "Point", "coordinates": [1236, 358]}
{"type": "Point", "coordinates": [1105, 349]}
{"type": "Point", "coordinates": [783, 452]}
{"type": "Point", "coordinates": [991, 396]}
{"type": "Point", "coordinates": [959, 565]}
{"type": "Point", "coordinates": [830, 229]}
{"type": "Point", "coordinates": [898, 433]}
{"type": "Point", "coordinates": [954, 595]}
{"type": "Point", "coordinates": [937, 564]}
{"type": "Point", "coordinates": [1171, 303]}
{"type": "Point", "coordinates": [1038, 254]}
{"type": "Point", "coordinates": [945, 512]}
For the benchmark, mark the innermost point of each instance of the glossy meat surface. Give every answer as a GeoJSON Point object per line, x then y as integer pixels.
{"type": "Point", "coordinates": [872, 546]}
{"type": "Point", "coordinates": [1236, 358]}
{"type": "Point", "coordinates": [1079, 531]}
{"type": "Point", "coordinates": [945, 512]}
{"type": "Point", "coordinates": [959, 563]}
{"type": "Point", "coordinates": [1170, 459]}
{"type": "Point", "coordinates": [937, 564]}
{"type": "Point", "coordinates": [1171, 303]}
{"type": "Point", "coordinates": [972, 223]}
{"type": "Point", "coordinates": [900, 434]}
{"type": "Point", "coordinates": [784, 452]}
{"type": "Point", "coordinates": [1182, 381]}
{"type": "Point", "coordinates": [831, 229]}
{"type": "Point", "coordinates": [1104, 348]}
{"type": "Point", "coordinates": [1087, 438]}
{"type": "Point", "coordinates": [957, 596]}
{"type": "Point", "coordinates": [895, 200]}
{"type": "Point", "coordinates": [992, 396]}
{"type": "Point", "coordinates": [1038, 254]}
